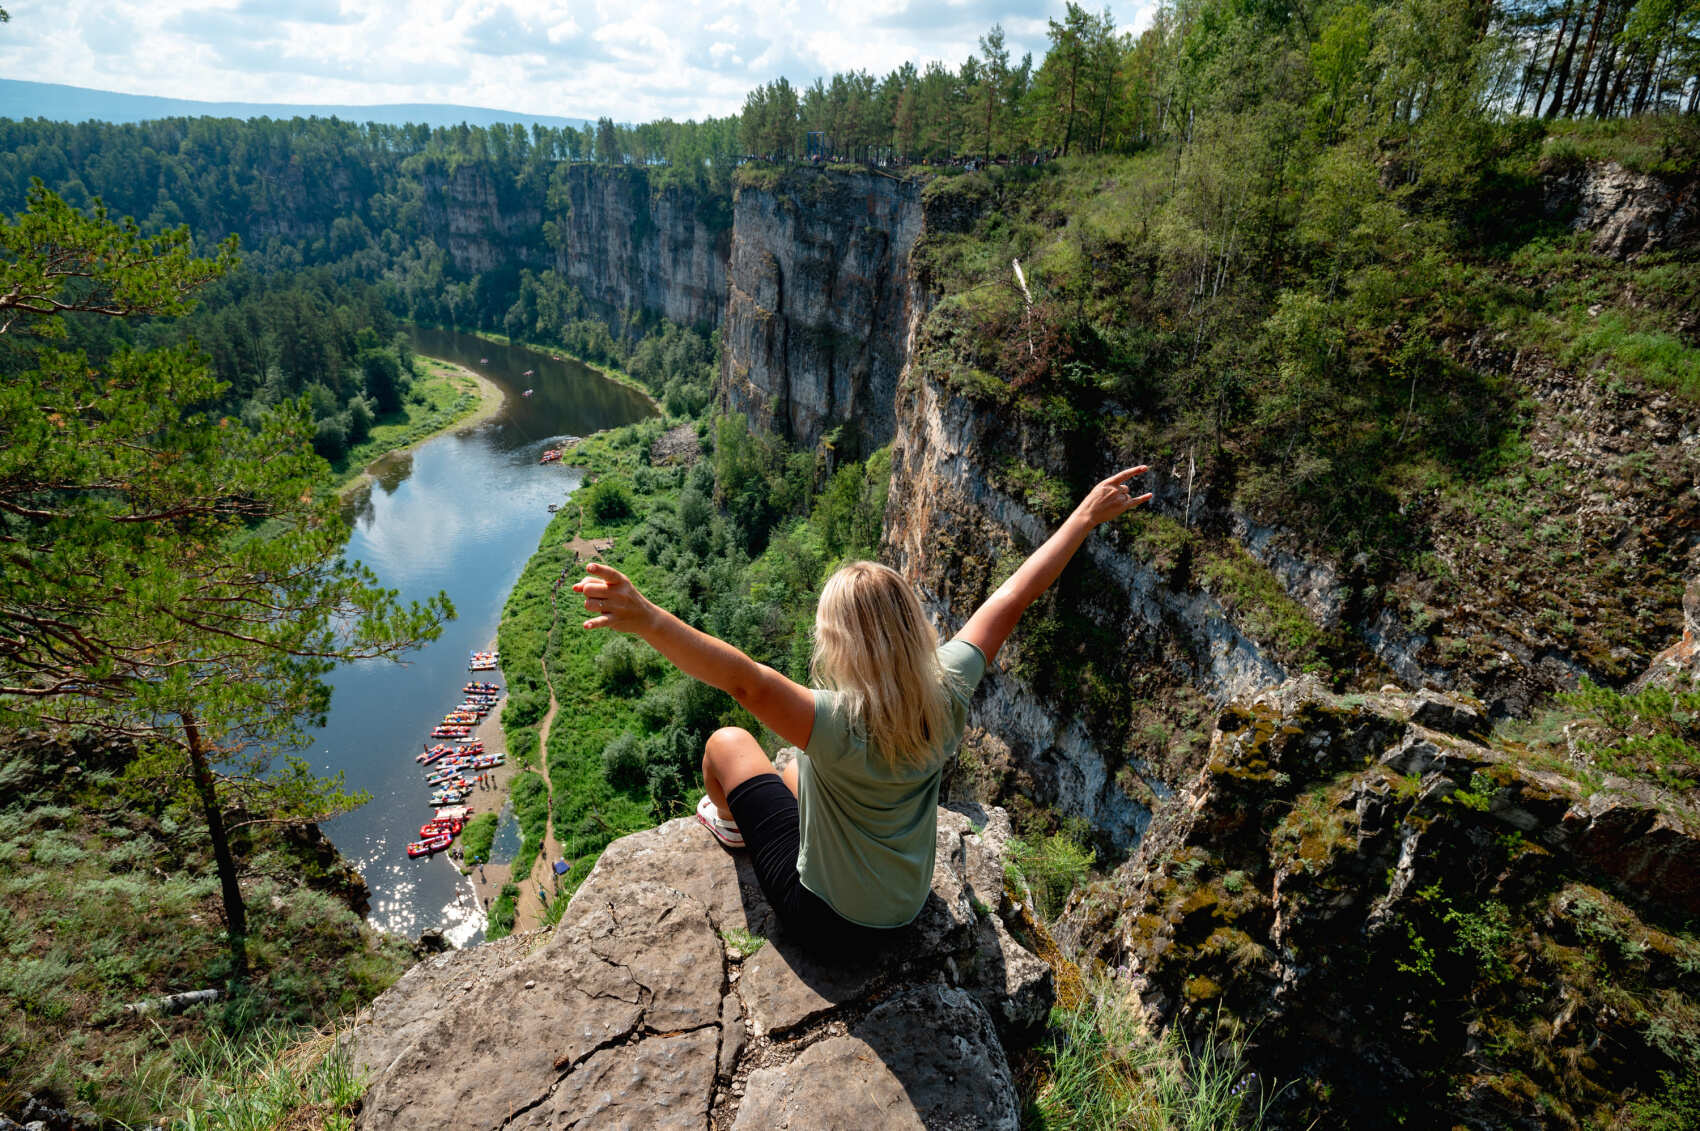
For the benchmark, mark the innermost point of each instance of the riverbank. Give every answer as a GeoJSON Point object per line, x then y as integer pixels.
{"type": "Point", "coordinates": [607, 372]}
{"type": "Point", "coordinates": [455, 397]}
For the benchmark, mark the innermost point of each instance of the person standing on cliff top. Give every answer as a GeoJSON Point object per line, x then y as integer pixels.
{"type": "Point", "coordinates": [842, 841]}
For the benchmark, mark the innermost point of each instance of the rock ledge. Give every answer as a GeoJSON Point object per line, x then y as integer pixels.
{"type": "Point", "coordinates": [668, 997]}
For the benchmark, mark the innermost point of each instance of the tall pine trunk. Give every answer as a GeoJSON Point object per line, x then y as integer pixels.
{"type": "Point", "coordinates": [1580, 84]}
{"type": "Point", "coordinates": [1564, 68]}
{"type": "Point", "coordinates": [235, 912]}
{"type": "Point", "coordinates": [1552, 63]}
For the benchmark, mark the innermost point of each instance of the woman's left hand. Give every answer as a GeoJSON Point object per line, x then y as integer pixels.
{"type": "Point", "coordinates": [613, 600]}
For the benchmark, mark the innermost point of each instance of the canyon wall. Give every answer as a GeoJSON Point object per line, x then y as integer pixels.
{"type": "Point", "coordinates": [484, 222]}
{"type": "Point", "coordinates": [820, 303]}
{"type": "Point", "coordinates": [628, 248]}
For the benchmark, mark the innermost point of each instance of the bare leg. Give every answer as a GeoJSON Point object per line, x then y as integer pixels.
{"type": "Point", "coordinates": [789, 776]}
{"type": "Point", "coordinates": [731, 758]}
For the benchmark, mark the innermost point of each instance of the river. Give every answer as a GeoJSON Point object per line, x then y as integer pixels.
{"type": "Point", "coordinates": [461, 513]}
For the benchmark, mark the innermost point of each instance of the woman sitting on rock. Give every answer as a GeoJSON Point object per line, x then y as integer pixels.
{"type": "Point", "coordinates": [842, 841]}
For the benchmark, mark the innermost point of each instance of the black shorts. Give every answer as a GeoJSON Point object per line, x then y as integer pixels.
{"type": "Point", "coordinates": [766, 813]}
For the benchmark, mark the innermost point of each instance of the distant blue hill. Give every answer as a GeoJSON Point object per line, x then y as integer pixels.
{"type": "Point", "coordinates": [78, 104]}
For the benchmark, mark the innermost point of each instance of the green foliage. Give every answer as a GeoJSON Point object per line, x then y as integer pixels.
{"type": "Point", "coordinates": [740, 942]}
{"type": "Point", "coordinates": [267, 1080]}
{"type": "Point", "coordinates": [1106, 1071]}
{"type": "Point", "coordinates": [501, 918]}
{"type": "Point", "coordinates": [154, 606]}
{"type": "Point", "coordinates": [131, 884]}
{"type": "Point", "coordinates": [624, 664]}
{"type": "Point", "coordinates": [1653, 733]}
{"type": "Point", "coordinates": [1675, 1108]}
{"type": "Point", "coordinates": [530, 796]}
{"type": "Point", "coordinates": [623, 762]}
{"type": "Point", "coordinates": [850, 511]}
{"type": "Point", "coordinates": [477, 837]}
{"type": "Point", "coordinates": [608, 500]}
{"type": "Point", "coordinates": [1052, 866]}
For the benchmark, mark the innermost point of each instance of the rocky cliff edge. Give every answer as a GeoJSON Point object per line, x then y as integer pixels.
{"type": "Point", "coordinates": [667, 996]}
{"type": "Point", "coordinates": [1413, 922]}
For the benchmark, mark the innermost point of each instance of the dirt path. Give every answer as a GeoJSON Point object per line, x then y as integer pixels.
{"type": "Point", "coordinates": [529, 910]}
{"type": "Point", "coordinates": [540, 888]}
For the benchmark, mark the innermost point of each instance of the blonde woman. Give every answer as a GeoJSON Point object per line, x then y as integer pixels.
{"type": "Point", "coordinates": [842, 842]}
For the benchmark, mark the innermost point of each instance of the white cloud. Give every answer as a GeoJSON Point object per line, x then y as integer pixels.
{"type": "Point", "coordinates": [630, 59]}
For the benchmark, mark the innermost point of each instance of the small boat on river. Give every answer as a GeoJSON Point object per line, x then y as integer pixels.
{"type": "Point", "coordinates": [551, 456]}
{"type": "Point", "coordinates": [527, 393]}
{"type": "Point", "coordinates": [476, 688]}
{"type": "Point", "coordinates": [432, 844]}
{"type": "Point", "coordinates": [439, 751]}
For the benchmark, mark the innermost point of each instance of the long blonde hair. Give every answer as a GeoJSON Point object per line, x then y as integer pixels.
{"type": "Point", "coordinates": [875, 645]}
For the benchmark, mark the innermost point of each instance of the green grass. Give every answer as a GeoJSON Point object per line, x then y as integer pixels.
{"type": "Point", "coordinates": [1051, 867]}
{"type": "Point", "coordinates": [501, 922]}
{"type": "Point", "coordinates": [111, 898]}
{"type": "Point", "coordinates": [275, 1078]}
{"type": "Point", "coordinates": [1667, 144]}
{"type": "Point", "coordinates": [531, 805]}
{"type": "Point", "coordinates": [741, 942]}
{"type": "Point", "coordinates": [1103, 1070]}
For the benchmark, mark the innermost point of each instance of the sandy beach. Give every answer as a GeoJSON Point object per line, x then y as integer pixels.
{"type": "Point", "coordinates": [488, 879]}
{"type": "Point", "coordinates": [490, 398]}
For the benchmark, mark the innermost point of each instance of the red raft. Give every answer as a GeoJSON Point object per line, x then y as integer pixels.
{"type": "Point", "coordinates": [429, 845]}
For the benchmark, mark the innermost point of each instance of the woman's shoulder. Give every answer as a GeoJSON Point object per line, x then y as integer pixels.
{"type": "Point", "coordinates": [963, 662]}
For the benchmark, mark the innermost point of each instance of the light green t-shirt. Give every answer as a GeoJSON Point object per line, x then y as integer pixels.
{"type": "Point", "coordinates": [868, 827]}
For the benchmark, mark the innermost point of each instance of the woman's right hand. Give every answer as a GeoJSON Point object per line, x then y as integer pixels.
{"type": "Point", "coordinates": [615, 601]}
{"type": "Point", "coordinates": [1112, 498]}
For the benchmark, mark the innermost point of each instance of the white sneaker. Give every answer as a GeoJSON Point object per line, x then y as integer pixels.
{"type": "Point", "coordinates": [726, 832]}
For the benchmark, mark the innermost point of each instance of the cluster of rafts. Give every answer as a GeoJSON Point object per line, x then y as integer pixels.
{"type": "Point", "coordinates": [449, 765]}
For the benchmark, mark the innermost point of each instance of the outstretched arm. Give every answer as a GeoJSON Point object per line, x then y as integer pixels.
{"type": "Point", "coordinates": [784, 707]}
{"type": "Point", "coordinates": [992, 623]}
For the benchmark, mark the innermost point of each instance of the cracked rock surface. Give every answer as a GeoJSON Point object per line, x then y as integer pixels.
{"type": "Point", "coordinates": [668, 996]}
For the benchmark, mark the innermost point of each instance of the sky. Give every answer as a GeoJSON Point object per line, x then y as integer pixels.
{"type": "Point", "coordinates": [633, 60]}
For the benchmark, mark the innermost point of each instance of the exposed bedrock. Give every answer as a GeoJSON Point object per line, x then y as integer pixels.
{"type": "Point", "coordinates": [630, 248]}
{"type": "Point", "coordinates": [819, 304]}
{"type": "Point", "coordinates": [1628, 212]}
{"type": "Point", "coordinates": [484, 222]}
{"type": "Point", "coordinates": [668, 997]}
{"type": "Point", "coordinates": [1403, 918]}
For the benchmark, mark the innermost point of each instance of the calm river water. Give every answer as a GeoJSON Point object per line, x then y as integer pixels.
{"type": "Point", "coordinates": [462, 514]}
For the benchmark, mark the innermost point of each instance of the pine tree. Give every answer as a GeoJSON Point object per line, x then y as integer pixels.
{"type": "Point", "coordinates": [169, 577]}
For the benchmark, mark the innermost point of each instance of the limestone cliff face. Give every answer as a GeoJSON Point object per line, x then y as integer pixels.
{"type": "Point", "coordinates": [485, 223]}
{"type": "Point", "coordinates": [820, 303]}
{"type": "Point", "coordinates": [629, 249]}
{"type": "Point", "coordinates": [1628, 212]}
{"type": "Point", "coordinates": [955, 529]}
{"type": "Point", "coordinates": [1095, 708]}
